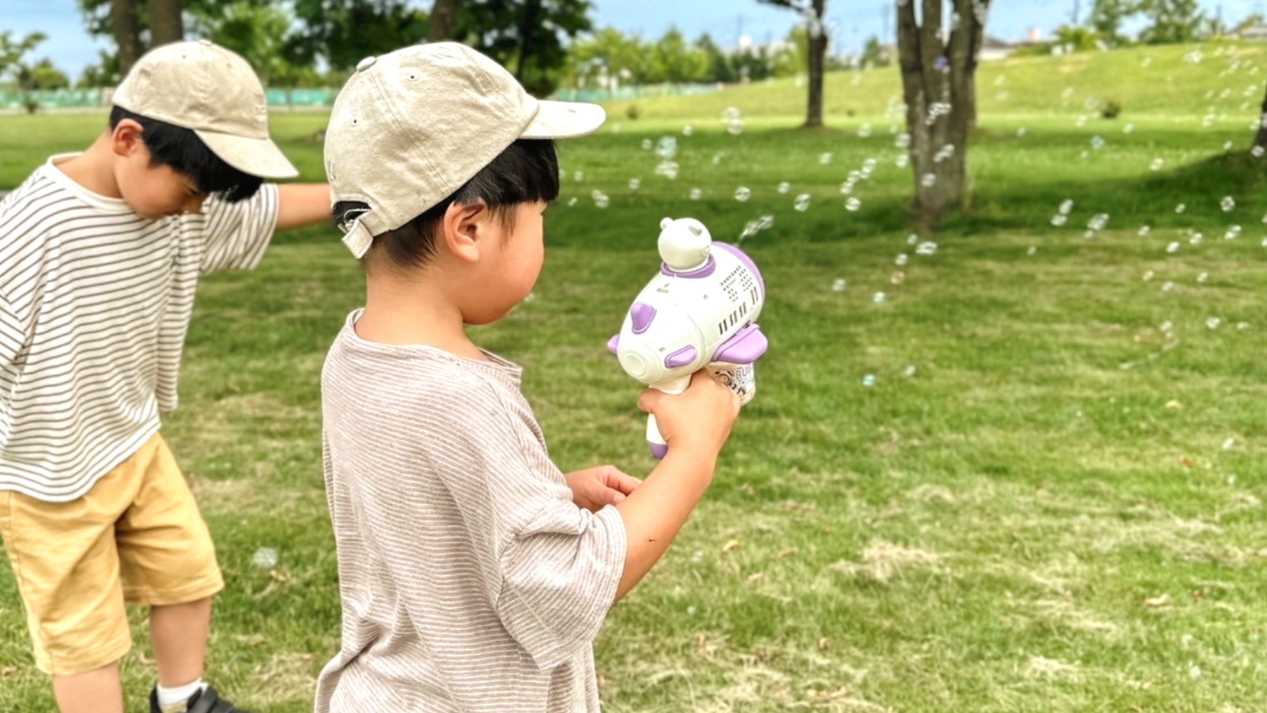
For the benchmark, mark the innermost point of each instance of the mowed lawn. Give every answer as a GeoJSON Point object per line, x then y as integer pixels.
{"type": "Point", "coordinates": [1028, 476]}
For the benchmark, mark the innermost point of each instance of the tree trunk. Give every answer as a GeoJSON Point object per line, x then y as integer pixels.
{"type": "Point", "coordinates": [938, 85]}
{"type": "Point", "coordinates": [165, 21]}
{"type": "Point", "coordinates": [125, 24]}
{"type": "Point", "coordinates": [532, 10]}
{"type": "Point", "coordinates": [1260, 139]}
{"type": "Point", "coordinates": [817, 36]}
{"type": "Point", "coordinates": [444, 15]}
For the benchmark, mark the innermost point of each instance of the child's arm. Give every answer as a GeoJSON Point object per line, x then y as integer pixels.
{"type": "Point", "coordinates": [302, 204]}
{"type": "Point", "coordinates": [695, 424]}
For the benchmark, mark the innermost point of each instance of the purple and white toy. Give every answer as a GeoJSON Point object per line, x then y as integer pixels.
{"type": "Point", "coordinates": [699, 311]}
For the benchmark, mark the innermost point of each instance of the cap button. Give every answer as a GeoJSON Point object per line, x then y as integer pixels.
{"type": "Point", "coordinates": [366, 63]}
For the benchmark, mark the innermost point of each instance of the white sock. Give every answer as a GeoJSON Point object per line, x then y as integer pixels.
{"type": "Point", "coordinates": [174, 700]}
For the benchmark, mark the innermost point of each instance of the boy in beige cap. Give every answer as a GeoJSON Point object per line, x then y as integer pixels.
{"type": "Point", "coordinates": [100, 255]}
{"type": "Point", "coordinates": [474, 575]}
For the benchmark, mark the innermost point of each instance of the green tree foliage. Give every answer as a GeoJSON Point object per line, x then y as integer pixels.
{"type": "Point", "coordinates": [258, 33]}
{"type": "Point", "coordinates": [27, 76]}
{"type": "Point", "coordinates": [874, 54]}
{"type": "Point", "coordinates": [526, 36]}
{"type": "Point", "coordinates": [343, 32]}
{"type": "Point", "coordinates": [676, 60]}
{"type": "Point", "coordinates": [1173, 21]}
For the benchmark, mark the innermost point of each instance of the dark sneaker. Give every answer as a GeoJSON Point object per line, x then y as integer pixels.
{"type": "Point", "coordinates": [204, 701]}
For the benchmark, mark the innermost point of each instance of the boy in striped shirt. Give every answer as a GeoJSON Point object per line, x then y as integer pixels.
{"type": "Point", "coordinates": [100, 256]}
{"type": "Point", "coordinates": [474, 575]}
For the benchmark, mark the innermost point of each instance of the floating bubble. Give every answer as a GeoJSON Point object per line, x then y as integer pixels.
{"type": "Point", "coordinates": [1213, 323]}
{"type": "Point", "coordinates": [735, 127]}
{"type": "Point", "coordinates": [1167, 327]}
{"type": "Point", "coordinates": [868, 166]}
{"type": "Point", "coordinates": [1203, 277]}
{"type": "Point", "coordinates": [742, 194]}
{"type": "Point", "coordinates": [846, 188]}
{"type": "Point", "coordinates": [635, 184]}
{"type": "Point", "coordinates": [838, 285]}
{"type": "Point", "coordinates": [668, 169]}
{"type": "Point", "coordinates": [1156, 164]}
{"type": "Point", "coordinates": [1167, 286]}
{"type": "Point", "coordinates": [802, 203]}
{"type": "Point", "coordinates": [716, 159]}
{"type": "Point", "coordinates": [1020, 133]}
{"type": "Point", "coordinates": [695, 194]}
{"type": "Point", "coordinates": [1098, 221]}
{"type": "Point", "coordinates": [666, 147]}
{"type": "Point", "coordinates": [897, 278]}
{"type": "Point", "coordinates": [928, 179]}
{"type": "Point", "coordinates": [1227, 145]}
{"type": "Point", "coordinates": [901, 260]}
{"type": "Point", "coordinates": [1227, 204]}
{"type": "Point", "coordinates": [912, 239]}
{"type": "Point", "coordinates": [647, 144]}
{"type": "Point", "coordinates": [1144, 231]}
{"type": "Point", "coordinates": [1181, 208]}
{"type": "Point", "coordinates": [878, 298]}
{"type": "Point", "coordinates": [688, 130]}
{"type": "Point", "coordinates": [903, 141]}
{"type": "Point", "coordinates": [853, 204]}
{"type": "Point", "coordinates": [265, 558]}
{"type": "Point", "coordinates": [1242, 325]}
{"type": "Point", "coordinates": [1097, 142]}
{"type": "Point", "coordinates": [1066, 205]}
{"type": "Point", "coordinates": [600, 199]}
{"type": "Point", "coordinates": [926, 248]}
{"type": "Point", "coordinates": [1232, 233]}
{"type": "Point", "coordinates": [1196, 239]}
{"type": "Point", "coordinates": [909, 371]}
{"type": "Point", "coordinates": [824, 158]}
{"type": "Point", "coordinates": [578, 176]}
{"type": "Point", "coordinates": [902, 161]}
{"type": "Point", "coordinates": [1173, 247]}
{"type": "Point", "coordinates": [1128, 129]}
{"type": "Point", "coordinates": [864, 131]}
{"type": "Point", "coordinates": [1032, 249]}
{"type": "Point", "coordinates": [572, 201]}
{"type": "Point", "coordinates": [1059, 219]}
{"type": "Point", "coordinates": [784, 187]}
{"type": "Point", "coordinates": [868, 380]}
{"type": "Point", "coordinates": [1256, 152]}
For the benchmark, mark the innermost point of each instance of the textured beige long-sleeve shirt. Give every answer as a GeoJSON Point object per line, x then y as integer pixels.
{"type": "Point", "coordinates": [469, 580]}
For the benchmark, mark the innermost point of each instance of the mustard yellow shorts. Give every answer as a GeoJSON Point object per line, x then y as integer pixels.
{"type": "Point", "coordinates": [136, 538]}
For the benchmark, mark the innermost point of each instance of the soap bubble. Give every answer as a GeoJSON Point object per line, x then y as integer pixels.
{"type": "Point", "coordinates": [1059, 219]}
{"type": "Point", "coordinates": [868, 380]}
{"type": "Point", "coordinates": [853, 204]}
{"type": "Point", "coordinates": [1256, 152]}
{"type": "Point", "coordinates": [864, 131]}
{"type": "Point", "coordinates": [1066, 205]}
{"type": "Point", "coordinates": [1032, 249]}
{"type": "Point", "coordinates": [802, 203]}
{"type": "Point", "coordinates": [696, 193]}
{"type": "Point", "coordinates": [902, 161]}
{"type": "Point", "coordinates": [1227, 204]}
{"type": "Point", "coordinates": [1203, 277]}
{"type": "Point", "coordinates": [668, 169]}
{"type": "Point", "coordinates": [735, 127]}
{"type": "Point", "coordinates": [688, 130]}
{"type": "Point", "coordinates": [903, 141]}
{"type": "Point", "coordinates": [600, 199]}
{"type": "Point", "coordinates": [1156, 164]}
{"type": "Point", "coordinates": [572, 201]}
{"type": "Point", "coordinates": [1181, 208]}
{"type": "Point", "coordinates": [784, 187]}
{"type": "Point", "coordinates": [1172, 248]}
{"type": "Point", "coordinates": [635, 184]}
{"type": "Point", "coordinates": [926, 248]}
{"type": "Point", "coordinates": [1213, 323]}
{"type": "Point", "coordinates": [927, 180]}
{"type": "Point", "coordinates": [824, 158]}
{"type": "Point", "coordinates": [1097, 142]}
{"type": "Point", "coordinates": [265, 558]}
{"type": "Point", "coordinates": [1128, 129]}
{"type": "Point", "coordinates": [578, 176]}
{"type": "Point", "coordinates": [846, 188]}
{"type": "Point", "coordinates": [901, 259]}
{"type": "Point", "coordinates": [1232, 233]}
{"type": "Point", "coordinates": [838, 285]}
{"type": "Point", "coordinates": [742, 194]}
{"type": "Point", "coordinates": [646, 144]}
{"type": "Point", "coordinates": [1144, 231]}
{"type": "Point", "coordinates": [666, 147]}
{"type": "Point", "coordinates": [878, 298]}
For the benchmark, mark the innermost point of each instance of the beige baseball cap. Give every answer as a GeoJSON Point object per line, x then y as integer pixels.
{"type": "Point", "coordinates": [411, 127]}
{"type": "Point", "coordinates": [202, 86]}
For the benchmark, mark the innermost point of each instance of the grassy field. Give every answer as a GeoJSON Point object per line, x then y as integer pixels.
{"type": "Point", "coordinates": [1029, 477]}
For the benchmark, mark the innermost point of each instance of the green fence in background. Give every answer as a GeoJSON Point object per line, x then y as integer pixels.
{"type": "Point", "coordinates": [94, 98]}
{"type": "Point", "coordinates": [634, 92]}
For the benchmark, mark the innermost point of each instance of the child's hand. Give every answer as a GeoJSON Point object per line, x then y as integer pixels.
{"type": "Point", "coordinates": [598, 487]}
{"type": "Point", "coordinates": [699, 417]}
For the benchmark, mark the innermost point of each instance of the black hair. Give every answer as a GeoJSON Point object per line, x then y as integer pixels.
{"type": "Point", "coordinates": [527, 171]}
{"type": "Point", "coordinates": [185, 153]}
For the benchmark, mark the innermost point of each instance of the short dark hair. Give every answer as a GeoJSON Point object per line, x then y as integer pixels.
{"type": "Point", "coordinates": [527, 171]}
{"type": "Point", "coordinates": [185, 153]}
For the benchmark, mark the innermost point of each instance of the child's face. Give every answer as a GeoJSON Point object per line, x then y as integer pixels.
{"type": "Point", "coordinates": [152, 191]}
{"type": "Point", "coordinates": [513, 264]}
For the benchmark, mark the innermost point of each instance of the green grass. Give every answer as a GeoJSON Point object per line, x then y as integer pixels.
{"type": "Point", "coordinates": [1059, 508]}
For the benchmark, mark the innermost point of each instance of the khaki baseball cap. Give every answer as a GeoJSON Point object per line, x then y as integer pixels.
{"type": "Point", "coordinates": [204, 87]}
{"type": "Point", "coordinates": [411, 127]}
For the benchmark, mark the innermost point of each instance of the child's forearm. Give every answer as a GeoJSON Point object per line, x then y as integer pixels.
{"type": "Point", "coordinates": [655, 512]}
{"type": "Point", "coordinates": [302, 204]}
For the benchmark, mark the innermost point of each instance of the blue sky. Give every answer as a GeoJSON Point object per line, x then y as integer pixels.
{"type": "Point", "coordinates": [851, 21]}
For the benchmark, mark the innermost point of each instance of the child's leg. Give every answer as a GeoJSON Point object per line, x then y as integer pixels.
{"type": "Point", "coordinates": [169, 564]}
{"type": "Point", "coordinates": [178, 633]}
{"type": "Point", "coordinates": [93, 692]}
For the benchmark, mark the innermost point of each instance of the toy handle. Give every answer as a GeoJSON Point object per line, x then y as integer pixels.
{"type": "Point", "coordinates": [740, 378]}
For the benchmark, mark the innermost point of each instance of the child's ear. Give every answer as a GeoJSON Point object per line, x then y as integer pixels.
{"type": "Point", "coordinates": [463, 230]}
{"type": "Point", "coordinates": [126, 137]}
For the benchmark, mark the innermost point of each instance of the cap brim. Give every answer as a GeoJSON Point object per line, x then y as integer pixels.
{"type": "Point", "coordinates": [257, 157]}
{"type": "Point", "coordinates": [560, 120]}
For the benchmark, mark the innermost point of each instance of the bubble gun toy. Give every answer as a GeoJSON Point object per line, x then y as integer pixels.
{"type": "Point", "coordinates": [699, 311]}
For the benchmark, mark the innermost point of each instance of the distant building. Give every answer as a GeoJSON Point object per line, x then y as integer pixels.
{"type": "Point", "coordinates": [1253, 32]}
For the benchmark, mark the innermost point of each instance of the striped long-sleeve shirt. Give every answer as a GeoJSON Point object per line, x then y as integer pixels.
{"type": "Point", "coordinates": [95, 302]}
{"type": "Point", "coordinates": [470, 582]}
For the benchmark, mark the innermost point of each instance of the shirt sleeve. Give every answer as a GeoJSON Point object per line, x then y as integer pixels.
{"type": "Point", "coordinates": [238, 233]}
{"type": "Point", "coordinates": [554, 567]}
